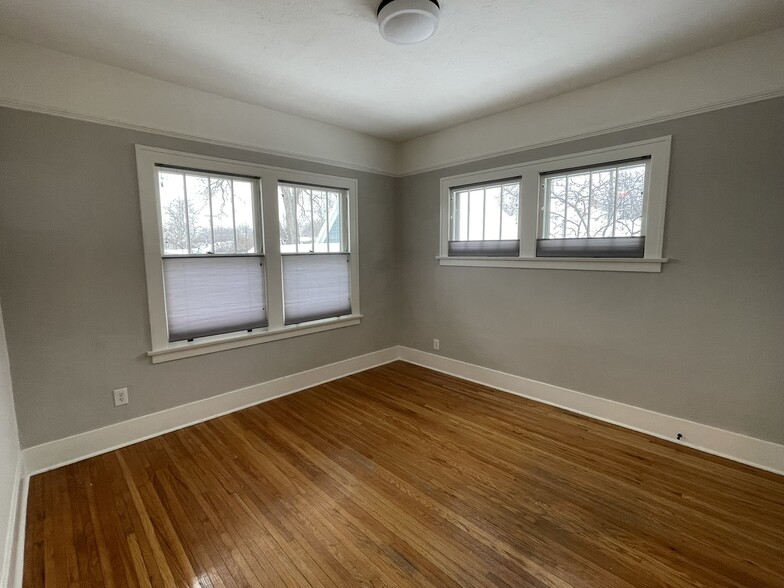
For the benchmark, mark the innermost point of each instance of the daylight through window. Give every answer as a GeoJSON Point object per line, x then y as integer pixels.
{"type": "Point", "coordinates": [314, 251]}
{"type": "Point", "coordinates": [594, 210]}
{"type": "Point", "coordinates": [213, 273]}
{"type": "Point", "coordinates": [238, 253]}
{"type": "Point", "coordinates": [485, 218]}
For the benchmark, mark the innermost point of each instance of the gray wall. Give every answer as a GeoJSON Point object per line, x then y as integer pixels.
{"type": "Point", "coordinates": [703, 340]}
{"type": "Point", "coordinates": [73, 285]}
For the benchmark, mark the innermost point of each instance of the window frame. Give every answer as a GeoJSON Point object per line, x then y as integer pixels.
{"type": "Point", "coordinates": [531, 206]}
{"type": "Point", "coordinates": [266, 183]}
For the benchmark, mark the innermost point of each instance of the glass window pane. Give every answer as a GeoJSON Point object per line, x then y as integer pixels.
{"type": "Point", "coordinates": [320, 231]}
{"type": "Point", "coordinates": [510, 206]}
{"type": "Point", "coordinates": [476, 211]}
{"type": "Point", "coordinates": [198, 194]}
{"type": "Point", "coordinates": [602, 203]}
{"type": "Point", "coordinates": [335, 205]}
{"type": "Point", "coordinates": [629, 201]}
{"type": "Point", "coordinates": [493, 213]}
{"type": "Point", "coordinates": [222, 215]}
{"type": "Point", "coordinates": [599, 203]}
{"type": "Point", "coordinates": [304, 220]}
{"type": "Point", "coordinates": [244, 218]}
{"type": "Point", "coordinates": [577, 202]}
{"type": "Point", "coordinates": [174, 221]}
{"type": "Point", "coordinates": [460, 216]}
{"type": "Point", "coordinates": [486, 213]}
{"type": "Point", "coordinates": [287, 214]}
{"type": "Point", "coordinates": [311, 219]}
{"type": "Point", "coordinates": [555, 188]}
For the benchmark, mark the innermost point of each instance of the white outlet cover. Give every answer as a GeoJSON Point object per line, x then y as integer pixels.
{"type": "Point", "coordinates": [121, 396]}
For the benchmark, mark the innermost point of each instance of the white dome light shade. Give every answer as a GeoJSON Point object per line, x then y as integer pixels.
{"type": "Point", "coordinates": [405, 22]}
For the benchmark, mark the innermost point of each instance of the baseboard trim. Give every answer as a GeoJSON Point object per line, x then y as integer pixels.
{"type": "Point", "coordinates": [20, 526]}
{"type": "Point", "coordinates": [741, 448]}
{"type": "Point", "coordinates": [60, 452]}
{"type": "Point", "coordinates": [735, 446]}
{"type": "Point", "coordinates": [13, 558]}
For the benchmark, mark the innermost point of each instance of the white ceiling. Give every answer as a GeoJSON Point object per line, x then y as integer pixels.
{"type": "Point", "coordinates": [325, 59]}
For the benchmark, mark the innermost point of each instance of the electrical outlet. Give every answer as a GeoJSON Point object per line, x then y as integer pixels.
{"type": "Point", "coordinates": [121, 396]}
{"type": "Point", "coordinates": [436, 344]}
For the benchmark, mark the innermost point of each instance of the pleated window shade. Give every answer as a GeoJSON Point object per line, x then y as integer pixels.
{"type": "Point", "coordinates": [496, 248]}
{"type": "Point", "coordinates": [608, 247]}
{"type": "Point", "coordinates": [316, 286]}
{"type": "Point", "coordinates": [214, 295]}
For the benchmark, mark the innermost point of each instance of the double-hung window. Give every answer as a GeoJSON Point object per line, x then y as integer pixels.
{"type": "Point", "coordinates": [238, 253]}
{"type": "Point", "coordinates": [601, 209]}
{"type": "Point", "coordinates": [314, 251]}
{"type": "Point", "coordinates": [213, 269]}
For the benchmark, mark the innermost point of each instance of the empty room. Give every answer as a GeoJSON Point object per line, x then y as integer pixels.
{"type": "Point", "coordinates": [391, 293]}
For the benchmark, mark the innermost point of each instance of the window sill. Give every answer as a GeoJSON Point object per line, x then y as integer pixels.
{"type": "Point", "coordinates": [563, 263]}
{"type": "Point", "coordinates": [217, 343]}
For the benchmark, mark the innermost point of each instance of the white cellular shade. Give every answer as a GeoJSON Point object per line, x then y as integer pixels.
{"type": "Point", "coordinates": [316, 286]}
{"type": "Point", "coordinates": [213, 295]}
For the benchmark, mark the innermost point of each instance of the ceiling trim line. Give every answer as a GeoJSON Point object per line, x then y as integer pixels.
{"type": "Point", "coordinates": [595, 133]}
{"type": "Point", "coordinates": [38, 109]}
{"type": "Point", "coordinates": [51, 82]}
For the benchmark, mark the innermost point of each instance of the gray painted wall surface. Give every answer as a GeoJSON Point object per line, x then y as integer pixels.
{"type": "Point", "coordinates": [73, 285]}
{"type": "Point", "coordinates": [703, 340]}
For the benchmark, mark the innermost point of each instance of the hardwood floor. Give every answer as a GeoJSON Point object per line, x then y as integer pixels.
{"type": "Point", "coordinates": [400, 476]}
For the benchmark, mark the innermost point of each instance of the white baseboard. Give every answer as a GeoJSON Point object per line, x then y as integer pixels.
{"type": "Point", "coordinates": [54, 454]}
{"type": "Point", "coordinates": [20, 526]}
{"type": "Point", "coordinates": [13, 558]}
{"type": "Point", "coordinates": [748, 450]}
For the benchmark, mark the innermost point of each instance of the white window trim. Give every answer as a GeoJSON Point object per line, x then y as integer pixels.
{"type": "Point", "coordinates": [162, 350]}
{"type": "Point", "coordinates": [531, 202]}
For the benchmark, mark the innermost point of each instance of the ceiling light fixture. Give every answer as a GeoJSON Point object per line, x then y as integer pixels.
{"type": "Point", "coordinates": [405, 22]}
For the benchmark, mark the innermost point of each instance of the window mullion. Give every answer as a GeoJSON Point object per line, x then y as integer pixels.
{"type": "Point", "coordinates": [484, 211]}
{"type": "Point", "coordinates": [312, 225]}
{"type": "Point", "coordinates": [212, 230]}
{"type": "Point", "coordinates": [271, 247]}
{"type": "Point", "coordinates": [233, 216]}
{"type": "Point", "coordinates": [528, 211]}
{"type": "Point", "coordinates": [328, 226]}
{"type": "Point", "coordinates": [615, 199]}
{"type": "Point", "coordinates": [187, 215]}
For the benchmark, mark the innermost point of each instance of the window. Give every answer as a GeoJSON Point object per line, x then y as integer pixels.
{"type": "Point", "coordinates": [484, 219]}
{"type": "Point", "coordinates": [315, 253]}
{"type": "Point", "coordinates": [602, 209]}
{"type": "Point", "coordinates": [594, 212]}
{"type": "Point", "coordinates": [212, 269]}
{"type": "Point", "coordinates": [229, 267]}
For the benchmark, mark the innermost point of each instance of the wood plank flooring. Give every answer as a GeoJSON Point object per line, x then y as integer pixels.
{"type": "Point", "coordinates": [400, 476]}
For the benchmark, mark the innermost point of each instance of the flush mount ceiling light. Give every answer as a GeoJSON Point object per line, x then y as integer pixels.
{"type": "Point", "coordinates": [405, 22]}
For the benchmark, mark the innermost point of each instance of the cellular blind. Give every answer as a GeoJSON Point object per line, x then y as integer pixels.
{"type": "Point", "coordinates": [213, 295]}
{"type": "Point", "coordinates": [621, 247]}
{"type": "Point", "coordinates": [316, 286]}
{"type": "Point", "coordinates": [494, 248]}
